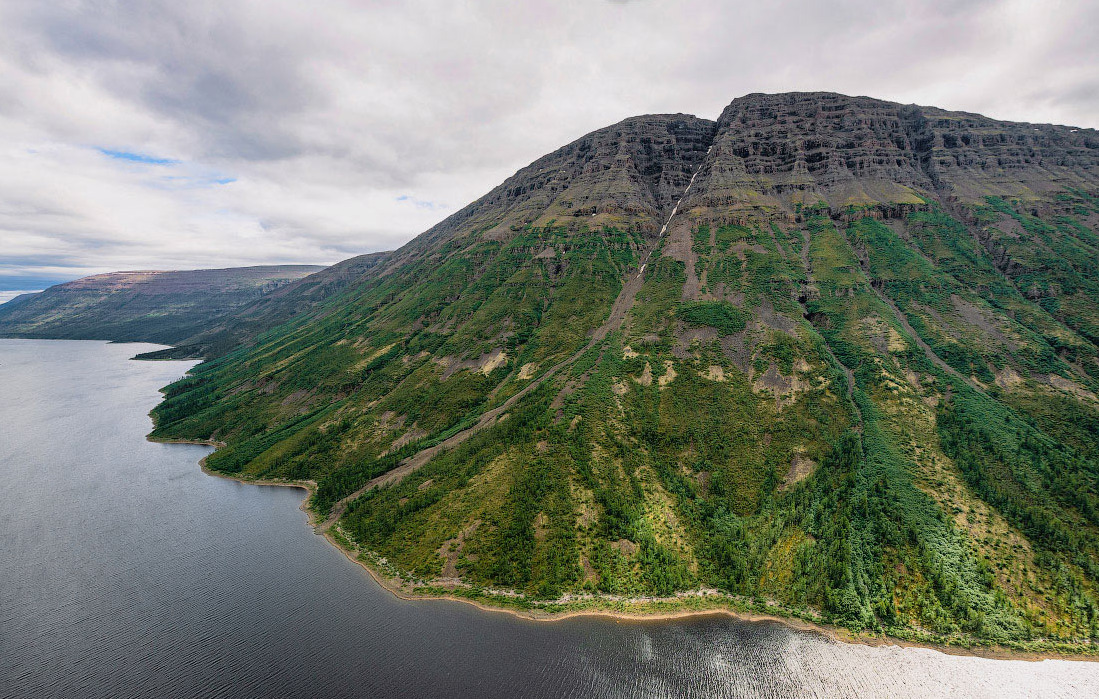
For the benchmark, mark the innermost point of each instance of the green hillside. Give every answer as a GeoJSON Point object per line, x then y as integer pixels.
{"type": "Point", "coordinates": [152, 306]}
{"type": "Point", "coordinates": [853, 378]}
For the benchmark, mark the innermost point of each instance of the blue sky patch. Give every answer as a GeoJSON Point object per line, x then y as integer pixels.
{"type": "Point", "coordinates": [420, 203]}
{"type": "Point", "coordinates": [137, 157]}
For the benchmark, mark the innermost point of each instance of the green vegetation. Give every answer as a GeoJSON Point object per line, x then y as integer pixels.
{"type": "Point", "coordinates": [726, 318]}
{"type": "Point", "coordinates": [877, 414]}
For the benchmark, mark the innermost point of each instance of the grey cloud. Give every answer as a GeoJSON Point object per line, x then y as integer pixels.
{"type": "Point", "coordinates": [326, 115]}
{"type": "Point", "coordinates": [203, 65]}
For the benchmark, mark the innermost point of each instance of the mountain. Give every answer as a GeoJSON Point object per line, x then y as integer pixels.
{"type": "Point", "coordinates": [829, 356]}
{"type": "Point", "coordinates": [164, 307]}
{"type": "Point", "coordinates": [239, 326]}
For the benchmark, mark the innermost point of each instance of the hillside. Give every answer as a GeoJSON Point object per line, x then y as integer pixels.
{"type": "Point", "coordinates": [163, 307]}
{"type": "Point", "coordinates": [832, 355]}
{"type": "Point", "coordinates": [240, 326]}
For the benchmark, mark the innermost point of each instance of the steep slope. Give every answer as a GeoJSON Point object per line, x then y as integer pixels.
{"type": "Point", "coordinates": [854, 375]}
{"type": "Point", "coordinates": [241, 325]}
{"type": "Point", "coordinates": [165, 307]}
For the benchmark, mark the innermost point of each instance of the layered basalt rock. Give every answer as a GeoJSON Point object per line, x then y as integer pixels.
{"type": "Point", "coordinates": [776, 154]}
{"type": "Point", "coordinates": [629, 175]}
{"type": "Point", "coordinates": [976, 156]}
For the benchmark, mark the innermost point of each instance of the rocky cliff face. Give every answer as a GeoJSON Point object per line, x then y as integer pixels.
{"type": "Point", "coordinates": [774, 154]}
{"type": "Point", "coordinates": [803, 141]}
{"type": "Point", "coordinates": [628, 175]}
{"type": "Point", "coordinates": [855, 375]}
{"type": "Point", "coordinates": [974, 156]}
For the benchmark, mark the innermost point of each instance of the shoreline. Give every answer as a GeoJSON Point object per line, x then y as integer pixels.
{"type": "Point", "coordinates": [721, 606]}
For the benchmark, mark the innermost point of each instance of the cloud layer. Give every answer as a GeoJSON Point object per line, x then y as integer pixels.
{"type": "Point", "coordinates": [173, 135]}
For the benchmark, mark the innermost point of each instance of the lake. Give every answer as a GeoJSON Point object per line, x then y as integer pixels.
{"type": "Point", "coordinates": [126, 571]}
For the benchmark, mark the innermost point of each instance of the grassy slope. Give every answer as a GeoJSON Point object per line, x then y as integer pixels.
{"type": "Point", "coordinates": [674, 454]}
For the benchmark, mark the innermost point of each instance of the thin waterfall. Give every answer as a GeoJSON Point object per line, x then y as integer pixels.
{"type": "Point", "coordinates": [675, 208]}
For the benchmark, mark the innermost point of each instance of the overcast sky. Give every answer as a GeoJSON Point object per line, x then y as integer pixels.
{"type": "Point", "coordinates": [188, 134]}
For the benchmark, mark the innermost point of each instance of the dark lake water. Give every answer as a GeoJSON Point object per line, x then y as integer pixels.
{"type": "Point", "coordinates": [125, 571]}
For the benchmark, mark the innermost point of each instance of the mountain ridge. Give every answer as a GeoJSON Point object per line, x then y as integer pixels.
{"type": "Point", "coordinates": [854, 375]}
{"type": "Point", "coordinates": [162, 306]}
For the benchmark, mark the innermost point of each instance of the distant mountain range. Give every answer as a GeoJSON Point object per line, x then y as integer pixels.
{"type": "Point", "coordinates": [147, 306]}
{"type": "Point", "coordinates": [831, 356]}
